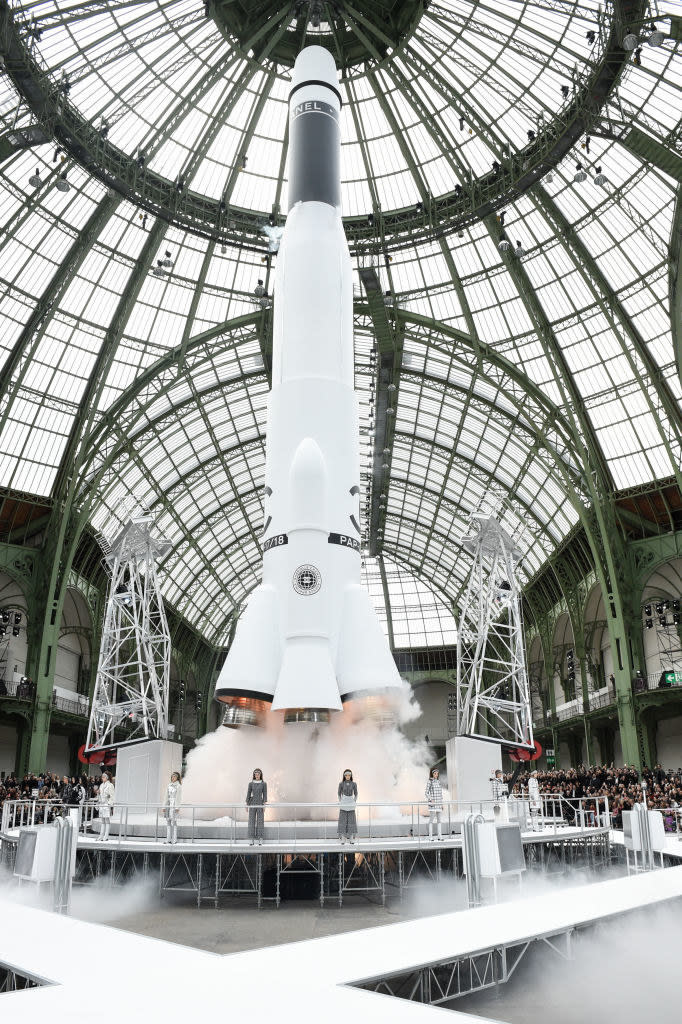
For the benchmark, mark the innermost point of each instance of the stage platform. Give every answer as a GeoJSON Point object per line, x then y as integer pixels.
{"type": "Point", "coordinates": [337, 978]}
{"type": "Point", "coordinates": [321, 870]}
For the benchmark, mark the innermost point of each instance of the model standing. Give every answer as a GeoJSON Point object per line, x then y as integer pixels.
{"type": "Point", "coordinates": [105, 805]}
{"type": "Point", "coordinates": [172, 806]}
{"type": "Point", "coordinates": [535, 802]}
{"type": "Point", "coordinates": [434, 797]}
{"type": "Point", "coordinates": [256, 798]}
{"type": "Point", "coordinates": [348, 797]}
{"type": "Point", "coordinates": [500, 790]}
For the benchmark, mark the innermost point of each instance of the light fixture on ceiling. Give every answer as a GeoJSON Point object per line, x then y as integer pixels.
{"type": "Point", "coordinates": [259, 290]}
{"type": "Point", "coordinates": [386, 451]}
{"type": "Point", "coordinates": [630, 41]}
{"type": "Point", "coordinates": [600, 178]}
{"type": "Point", "coordinates": [591, 35]}
{"type": "Point", "coordinates": [656, 38]}
{"type": "Point", "coordinates": [168, 260]}
{"type": "Point", "coordinates": [34, 181]}
{"type": "Point", "coordinates": [519, 250]}
{"type": "Point", "coordinates": [565, 91]}
{"type": "Point", "coordinates": [637, 57]}
{"type": "Point", "coordinates": [385, 465]}
{"type": "Point", "coordinates": [390, 411]}
{"type": "Point", "coordinates": [549, 177]}
{"type": "Point", "coordinates": [223, 248]}
{"type": "Point", "coordinates": [504, 245]}
{"type": "Point", "coordinates": [62, 183]}
{"type": "Point", "coordinates": [580, 174]}
{"type": "Point", "coordinates": [158, 270]}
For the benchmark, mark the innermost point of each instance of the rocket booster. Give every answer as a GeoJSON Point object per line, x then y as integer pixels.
{"type": "Point", "coordinates": [309, 639]}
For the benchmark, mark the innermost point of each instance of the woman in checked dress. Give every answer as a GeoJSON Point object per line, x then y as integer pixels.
{"type": "Point", "coordinates": [348, 795]}
{"type": "Point", "coordinates": [256, 798]}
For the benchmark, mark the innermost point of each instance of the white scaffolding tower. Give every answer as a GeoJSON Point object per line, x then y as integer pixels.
{"type": "Point", "coordinates": [493, 694]}
{"type": "Point", "coordinates": [133, 673]}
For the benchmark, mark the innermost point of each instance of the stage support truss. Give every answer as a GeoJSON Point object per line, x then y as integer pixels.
{"type": "Point", "coordinates": [133, 673]}
{"type": "Point", "coordinates": [493, 693]}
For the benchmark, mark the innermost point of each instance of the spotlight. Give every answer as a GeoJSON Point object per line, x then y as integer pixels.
{"type": "Point", "coordinates": [630, 41]}
{"type": "Point", "coordinates": [590, 36]}
{"type": "Point", "coordinates": [15, 631]}
{"type": "Point", "coordinates": [580, 175]}
{"type": "Point", "coordinates": [600, 178]}
{"type": "Point", "coordinates": [390, 411]}
{"type": "Point", "coordinates": [662, 621]}
{"type": "Point", "coordinates": [637, 57]}
{"type": "Point", "coordinates": [519, 250]}
{"type": "Point", "coordinates": [549, 177]}
{"type": "Point", "coordinates": [3, 630]}
{"type": "Point", "coordinates": [62, 183]}
{"type": "Point", "coordinates": [243, 161]}
{"type": "Point", "coordinates": [676, 606]}
{"type": "Point", "coordinates": [649, 623]}
{"type": "Point", "coordinates": [17, 618]}
{"type": "Point", "coordinates": [461, 124]}
{"type": "Point", "coordinates": [647, 609]}
{"type": "Point", "coordinates": [656, 38]}
{"type": "Point", "coordinates": [503, 245]}
{"type": "Point", "coordinates": [167, 261]}
{"type": "Point", "coordinates": [565, 91]}
{"type": "Point", "coordinates": [223, 249]}
{"type": "Point", "coordinates": [676, 619]}
{"type": "Point", "coordinates": [659, 607]}
{"type": "Point", "coordinates": [370, 219]}
{"type": "Point", "coordinates": [5, 616]}
{"type": "Point", "coordinates": [419, 206]}
{"type": "Point", "coordinates": [259, 290]}
{"type": "Point", "coordinates": [531, 135]}
{"type": "Point", "coordinates": [159, 270]}
{"type": "Point", "coordinates": [34, 181]}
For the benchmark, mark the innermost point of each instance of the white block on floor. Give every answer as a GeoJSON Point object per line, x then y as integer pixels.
{"type": "Point", "coordinates": [471, 764]}
{"type": "Point", "coordinates": [143, 771]}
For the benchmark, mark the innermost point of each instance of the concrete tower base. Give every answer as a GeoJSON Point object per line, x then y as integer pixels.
{"type": "Point", "coordinates": [470, 765]}
{"type": "Point", "coordinates": [143, 771]}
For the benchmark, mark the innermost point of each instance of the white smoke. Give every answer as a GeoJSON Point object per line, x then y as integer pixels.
{"type": "Point", "coordinates": [302, 763]}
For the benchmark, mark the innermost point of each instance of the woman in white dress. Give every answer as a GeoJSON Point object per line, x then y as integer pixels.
{"type": "Point", "coordinates": [172, 806]}
{"type": "Point", "coordinates": [105, 805]}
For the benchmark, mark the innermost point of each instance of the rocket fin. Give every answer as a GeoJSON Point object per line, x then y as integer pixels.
{"type": "Point", "coordinates": [307, 678]}
{"type": "Point", "coordinates": [364, 661]}
{"type": "Point", "coordinates": [253, 661]}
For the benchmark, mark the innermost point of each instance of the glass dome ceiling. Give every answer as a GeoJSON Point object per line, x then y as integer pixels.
{"type": "Point", "coordinates": [541, 377]}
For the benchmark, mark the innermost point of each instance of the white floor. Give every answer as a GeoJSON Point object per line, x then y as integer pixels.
{"type": "Point", "coordinates": [98, 973]}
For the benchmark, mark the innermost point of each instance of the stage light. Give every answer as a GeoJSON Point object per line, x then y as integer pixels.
{"type": "Point", "coordinates": [630, 41]}
{"type": "Point", "coordinates": [580, 174]}
{"type": "Point", "coordinates": [600, 178]}
{"type": "Point", "coordinates": [647, 609]}
{"type": "Point", "coordinates": [649, 623]}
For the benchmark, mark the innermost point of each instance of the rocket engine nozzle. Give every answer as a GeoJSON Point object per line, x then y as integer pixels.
{"type": "Point", "coordinates": [244, 711]}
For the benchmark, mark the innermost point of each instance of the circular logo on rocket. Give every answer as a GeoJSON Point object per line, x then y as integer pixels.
{"type": "Point", "coordinates": [307, 580]}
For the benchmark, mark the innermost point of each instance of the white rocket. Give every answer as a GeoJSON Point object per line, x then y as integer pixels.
{"type": "Point", "coordinates": [309, 639]}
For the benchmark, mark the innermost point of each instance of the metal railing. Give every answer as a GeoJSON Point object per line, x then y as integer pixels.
{"type": "Point", "coordinates": [581, 812]}
{"type": "Point", "coordinates": [17, 689]}
{"type": "Point", "coordinates": [297, 824]}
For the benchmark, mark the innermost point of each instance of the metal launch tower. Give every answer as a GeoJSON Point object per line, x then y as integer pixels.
{"type": "Point", "coordinates": [493, 694]}
{"type": "Point", "coordinates": [133, 673]}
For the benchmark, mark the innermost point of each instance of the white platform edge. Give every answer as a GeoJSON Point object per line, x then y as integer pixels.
{"type": "Point", "coordinates": [138, 976]}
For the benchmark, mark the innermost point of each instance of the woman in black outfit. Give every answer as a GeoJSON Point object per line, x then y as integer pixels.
{"type": "Point", "coordinates": [348, 795]}
{"type": "Point", "coordinates": [256, 798]}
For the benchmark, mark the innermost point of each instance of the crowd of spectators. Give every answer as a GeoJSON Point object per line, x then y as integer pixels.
{"type": "Point", "coordinates": [57, 791]}
{"type": "Point", "coordinates": [622, 786]}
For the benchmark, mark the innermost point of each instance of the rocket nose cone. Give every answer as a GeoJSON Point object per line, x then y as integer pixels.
{"type": "Point", "coordinates": [308, 466]}
{"type": "Point", "coordinates": [315, 64]}
{"type": "Point", "coordinates": [308, 483]}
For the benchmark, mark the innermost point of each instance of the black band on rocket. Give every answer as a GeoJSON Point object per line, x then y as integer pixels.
{"type": "Point", "coordinates": [314, 81]}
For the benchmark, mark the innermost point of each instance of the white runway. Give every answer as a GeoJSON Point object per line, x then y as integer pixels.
{"type": "Point", "coordinates": [139, 978]}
